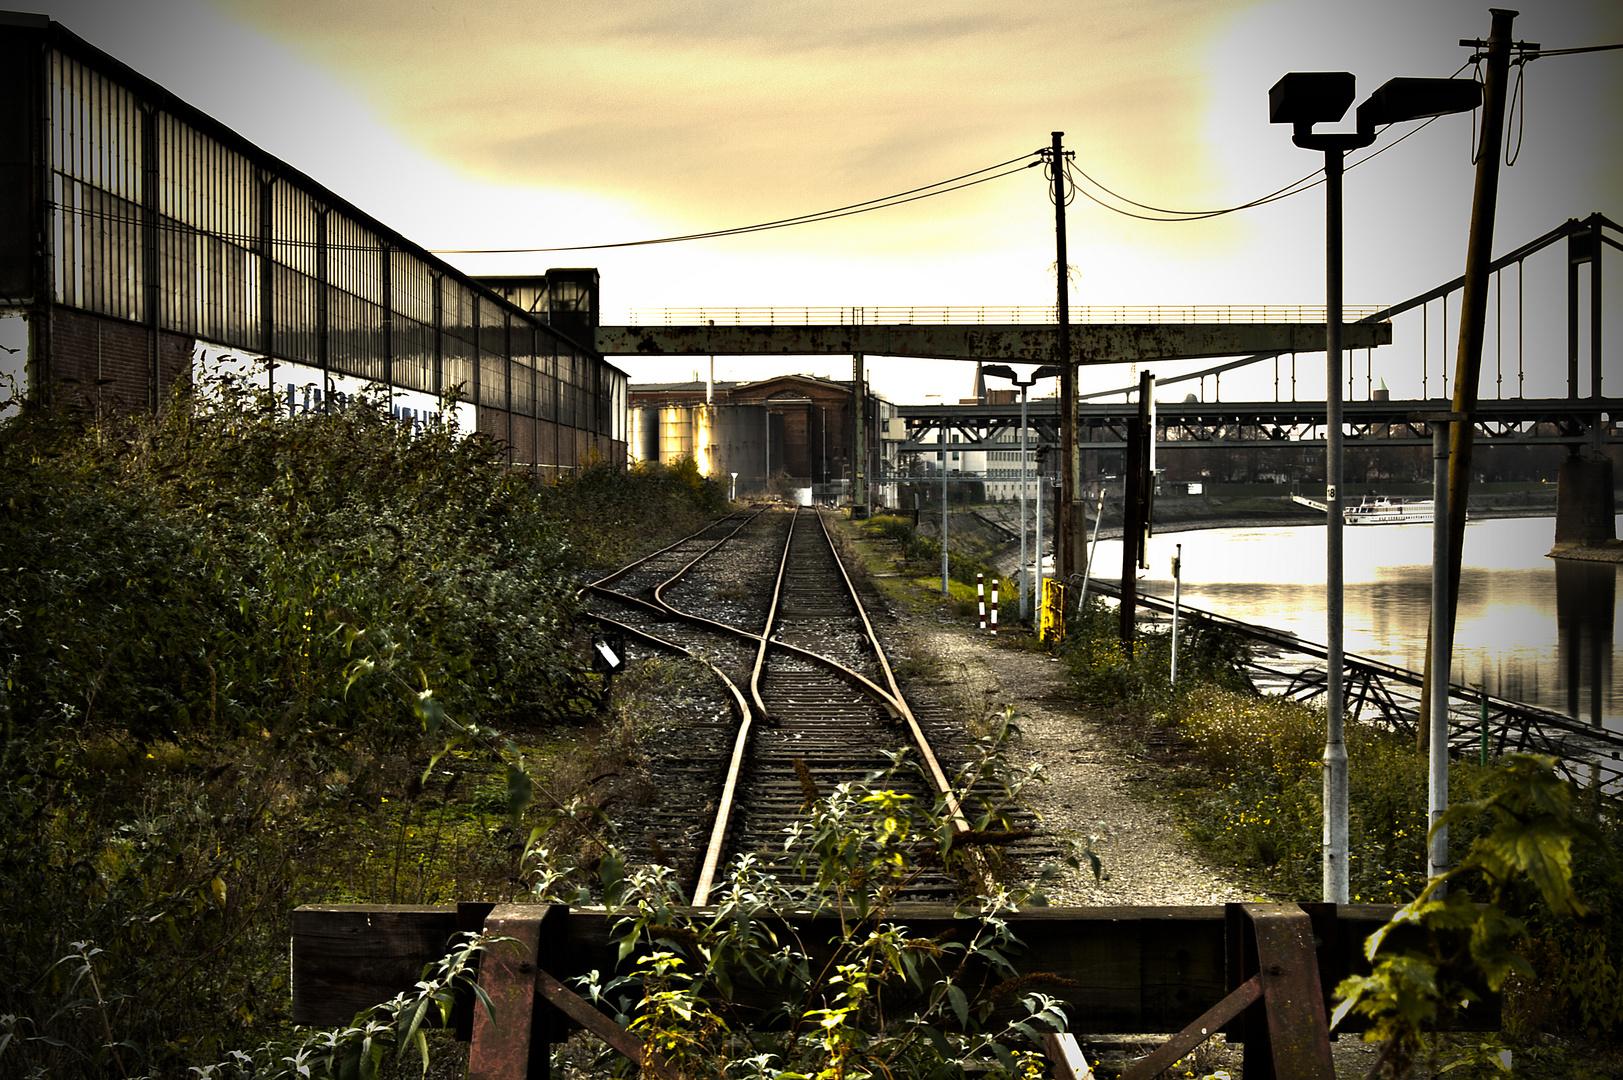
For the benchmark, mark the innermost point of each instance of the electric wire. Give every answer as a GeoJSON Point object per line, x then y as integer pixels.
{"type": "Point", "coordinates": [1306, 183]}
{"type": "Point", "coordinates": [898, 199]}
{"type": "Point", "coordinates": [1517, 94]}
{"type": "Point", "coordinates": [253, 241]}
{"type": "Point", "coordinates": [1535, 54]}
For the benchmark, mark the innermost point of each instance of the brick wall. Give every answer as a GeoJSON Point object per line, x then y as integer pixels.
{"type": "Point", "coordinates": [106, 361]}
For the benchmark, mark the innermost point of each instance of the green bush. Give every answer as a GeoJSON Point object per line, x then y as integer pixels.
{"type": "Point", "coordinates": [230, 640]}
{"type": "Point", "coordinates": [1105, 672]}
{"type": "Point", "coordinates": [922, 554]}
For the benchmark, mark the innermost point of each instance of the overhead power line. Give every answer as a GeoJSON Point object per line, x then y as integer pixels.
{"type": "Point", "coordinates": [941, 187]}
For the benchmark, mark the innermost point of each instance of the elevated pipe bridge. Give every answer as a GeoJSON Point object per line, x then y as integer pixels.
{"type": "Point", "coordinates": [1091, 343]}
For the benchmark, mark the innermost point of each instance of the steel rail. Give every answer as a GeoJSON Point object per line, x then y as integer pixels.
{"type": "Point", "coordinates": [735, 766]}
{"type": "Point", "coordinates": [752, 706]}
{"type": "Point", "coordinates": [664, 609]}
{"type": "Point", "coordinates": [602, 583]}
{"type": "Point", "coordinates": [937, 776]}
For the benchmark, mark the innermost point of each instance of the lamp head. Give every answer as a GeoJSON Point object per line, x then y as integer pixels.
{"type": "Point", "coordinates": [1305, 98]}
{"type": "Point", "coordinates": [1415, 99]}
{"type": "Point", "coordinates": [1001, 371]}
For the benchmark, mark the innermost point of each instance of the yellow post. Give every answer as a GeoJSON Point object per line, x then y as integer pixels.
{"type": "Point", "coordinates": [1051, 624]}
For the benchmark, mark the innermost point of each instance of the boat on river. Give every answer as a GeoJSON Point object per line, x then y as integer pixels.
{"type": "Point", "coordinates": [1385, 510]}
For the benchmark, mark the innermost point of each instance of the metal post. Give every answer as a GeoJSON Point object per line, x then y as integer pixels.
{"type": "Point", "coordinates": [1037, 588]}
{"type": "Point", "coordinates": [1474, 297]}
{"type": "Point", "coordinates": [1598, 429]}
{"type": "Point", "coordinates": [1069, 532]}
{"type": "Point", "coordinates": [1336, 880]}
{"type": "Point", "coordinates": [1574, 257]}
{"type": "Point", "coordinates": [945, 591]}
{"type": "Point", "coordinates": [1132, 534]}
{"type": "Point", "coordinates": [1437, 770]}
{"type": "Point", "coordinates": [860, 392]}
{"type": "Point", "coordinates": [1025, 573]}
{"type": "Point", "coordinates": [1177, 601]}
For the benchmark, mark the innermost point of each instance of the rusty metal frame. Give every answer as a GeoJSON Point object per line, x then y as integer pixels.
{"type": "Point", "coordinates": [1276, 1002]}
{"type": "Point", "coordinates": [512, 1040]}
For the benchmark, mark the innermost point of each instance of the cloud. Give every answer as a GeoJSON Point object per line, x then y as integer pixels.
{"type": "Point", "coordinates": [691, 109]}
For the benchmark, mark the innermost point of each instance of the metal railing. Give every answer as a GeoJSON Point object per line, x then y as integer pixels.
{"type": "Point", "coordinates": [992, 316]}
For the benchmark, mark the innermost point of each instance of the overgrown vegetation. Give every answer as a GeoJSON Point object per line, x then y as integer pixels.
{"type": "Point", "coordinates": [870, 998]}
{"type": "Point", "coordinates": [231, 642]}
{"type": "Point", "coordinates": [919, 557]}
{"type": "Point", "coordinates": [1247, 773]}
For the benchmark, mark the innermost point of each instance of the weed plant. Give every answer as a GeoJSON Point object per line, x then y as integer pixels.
{"type": "Point", "coordinates": [921, 556]}
{"type": "Point", "coordinates": [231, 640]}
{"type": "Point", "coordinates": [872, 997]}
{"type": "Point", "coordinates": [1254, 803]}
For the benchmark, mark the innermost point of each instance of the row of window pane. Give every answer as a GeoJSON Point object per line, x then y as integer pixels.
{"type": "Point", "coordinates": [130, 182]}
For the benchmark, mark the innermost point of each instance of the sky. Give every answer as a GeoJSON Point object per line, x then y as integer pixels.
{"type": "Point", "coordinates": [505, 124]}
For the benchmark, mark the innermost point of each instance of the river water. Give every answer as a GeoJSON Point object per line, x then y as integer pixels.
{"type": "Point", "coordinates": [1529, 628]}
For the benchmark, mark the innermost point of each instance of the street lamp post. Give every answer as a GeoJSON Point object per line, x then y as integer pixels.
{"type": "Point", "coordinates": [1004, 371]}
{"type": "Point", "coordinates": [1303, 99]}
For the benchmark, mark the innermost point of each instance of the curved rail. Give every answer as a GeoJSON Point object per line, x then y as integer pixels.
{"type": "Point", "coordinates": [751, 706]}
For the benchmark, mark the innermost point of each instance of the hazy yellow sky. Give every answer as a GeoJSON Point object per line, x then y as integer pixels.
{"type": "Point", "coordinates": [512, 124]}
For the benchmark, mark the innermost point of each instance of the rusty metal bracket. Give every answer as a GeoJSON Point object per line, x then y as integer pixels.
{"type": "Point", "coordinates": [1277, 957]}
{"type": "Point", "coordinates": [511, 1041]}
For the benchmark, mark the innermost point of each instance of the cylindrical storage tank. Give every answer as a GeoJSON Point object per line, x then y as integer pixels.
{"type": "Point", "coordinates": [738, 445]}
{"type": "Point", "coordinates": [675, 433]}
{"type": "Point", "coordinates": [642, 443]}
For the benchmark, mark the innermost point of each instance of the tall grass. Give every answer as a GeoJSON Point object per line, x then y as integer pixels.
{"type": "Point", "coordinates": [225, 636]}
{"type": "Point", "coordinates": [1254, 803]}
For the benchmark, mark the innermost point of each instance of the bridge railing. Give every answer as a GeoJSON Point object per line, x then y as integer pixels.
{"type": "Point", "coordinates": [997, 316]}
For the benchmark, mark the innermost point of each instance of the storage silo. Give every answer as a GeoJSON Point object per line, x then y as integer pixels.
{"type": "Point", "coordinates": [738, 441]}
{"type": "Point", "coordinates": [642, 443]}
{"type": "Point", "coordinates": [675, 433]}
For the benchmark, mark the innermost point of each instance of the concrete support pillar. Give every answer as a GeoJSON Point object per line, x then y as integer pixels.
{"type": "Point", "coordinates": [1585, 512]}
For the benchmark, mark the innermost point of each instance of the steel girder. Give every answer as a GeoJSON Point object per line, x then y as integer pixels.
{"type": "Point", "coordinates": [1091, 343]}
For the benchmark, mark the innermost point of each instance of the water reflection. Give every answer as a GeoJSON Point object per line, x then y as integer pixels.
{"type": "Point", "coordinates": [1586, 600]}
{"type": "Point", "coordinates": [1528, 627]}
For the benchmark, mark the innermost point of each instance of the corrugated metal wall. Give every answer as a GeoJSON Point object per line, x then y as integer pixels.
{"type": "Point", "coordinates": [160, 217]}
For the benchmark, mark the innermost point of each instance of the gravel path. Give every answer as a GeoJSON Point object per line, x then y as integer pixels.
{"type": "Point", "coordinates": [1092, 788]}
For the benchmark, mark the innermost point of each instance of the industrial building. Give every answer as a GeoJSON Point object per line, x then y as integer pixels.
{"type": "Point", "coordinates": [783, 435]}
{"type": "Point", "coordinates": [140, 239]}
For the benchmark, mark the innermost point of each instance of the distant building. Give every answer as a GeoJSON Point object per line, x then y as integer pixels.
{"type": "Point", "coordinates": [787, 433]}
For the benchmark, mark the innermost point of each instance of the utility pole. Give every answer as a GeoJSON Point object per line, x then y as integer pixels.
{"type": "Point", "coordinates": [1070, 530]}
{"type": "Point", "coordinates": [859, 497]}
{"type": "Point", "coordinates": [1137, 496]}
{"type": "Point", "coordinates": [1473, 319]}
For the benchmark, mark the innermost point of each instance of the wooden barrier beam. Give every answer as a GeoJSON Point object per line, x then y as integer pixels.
{"type": "Point", "coordinates": [1143, 969]}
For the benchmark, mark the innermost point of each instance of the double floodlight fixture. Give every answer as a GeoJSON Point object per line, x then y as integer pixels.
{"type": "Point", "coordinates": [1305, 98]}
{"type": "Point", "coordinates": [1004, 371]}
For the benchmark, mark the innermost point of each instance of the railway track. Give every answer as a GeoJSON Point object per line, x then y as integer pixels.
{"type": "Point", "coordinates": [801, 699]}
